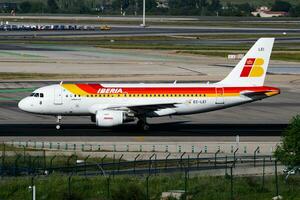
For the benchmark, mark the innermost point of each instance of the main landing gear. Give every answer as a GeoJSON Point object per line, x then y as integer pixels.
{"type": "Point", "coordinates": [142, 124]}
{"type": "Point", "coordinates": [58, 121]}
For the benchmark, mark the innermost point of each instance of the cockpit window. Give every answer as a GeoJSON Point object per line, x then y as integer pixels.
{"type": "Point", "coordinates": [37, 95]}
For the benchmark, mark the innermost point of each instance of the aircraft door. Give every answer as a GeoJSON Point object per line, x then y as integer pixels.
{"type": "Point", "coordinates": [58, 95]}
{"type": "Point", "coordinates": [219, 95]}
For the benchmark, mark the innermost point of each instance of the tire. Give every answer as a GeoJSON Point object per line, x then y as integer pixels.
{"type": "Point", "coordinates": [143, 125]}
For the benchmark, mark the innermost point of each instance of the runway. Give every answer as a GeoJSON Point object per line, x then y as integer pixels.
{"type": "Point", "coordinates": [179, 128]}
{"type": "Point", "coordinates": [138, 31]}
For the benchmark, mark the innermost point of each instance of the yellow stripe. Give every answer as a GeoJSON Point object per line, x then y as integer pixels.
{"type": "Point", "coordinates": [231, 94]}
{"type": "Point", "coordinates": [271, 93]}
{"type": "Point", "coordinates": [78, 91]}
{"type": "Point", "coordinates": [74, 89]}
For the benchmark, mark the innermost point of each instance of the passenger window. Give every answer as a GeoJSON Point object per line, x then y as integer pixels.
{"type": "Point", "coordinates": [36, 95]}
{"type": "Point", "coordinates": [42, 95]}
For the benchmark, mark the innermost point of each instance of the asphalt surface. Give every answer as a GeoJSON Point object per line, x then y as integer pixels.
{"type": "Point", "coordinates": [135, 31]}
{"type": "Point", "coordinates": [165, 129]}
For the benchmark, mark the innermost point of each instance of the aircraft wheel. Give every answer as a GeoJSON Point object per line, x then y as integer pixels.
{"type": "Point", "coordinates": [58, 121]}
{"type": "Point", "coordinates": [143, 125]}
{"type": "Point", "coordinates": [146, 127]}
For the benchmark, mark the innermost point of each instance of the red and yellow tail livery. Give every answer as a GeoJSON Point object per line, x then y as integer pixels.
{"type": "Point", "coordinates": [253, 67]}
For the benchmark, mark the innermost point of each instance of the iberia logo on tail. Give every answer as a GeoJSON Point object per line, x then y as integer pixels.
{"type": "Point", "coordinates": [253, 68]}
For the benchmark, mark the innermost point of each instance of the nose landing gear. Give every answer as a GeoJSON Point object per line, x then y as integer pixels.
{"type": "Point", "coordinates": [58, 121]}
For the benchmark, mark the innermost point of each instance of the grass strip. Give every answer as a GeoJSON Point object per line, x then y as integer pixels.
{"type": "Point", "coordinates": [135, 187]}
{"type": "Point", "coordinates": [17, 90]}
{"type": "Point", "coordinates": [45, 76]}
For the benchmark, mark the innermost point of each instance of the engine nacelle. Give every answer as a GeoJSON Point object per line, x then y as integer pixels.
{"type": "Point", "coordinates": [108, 118]}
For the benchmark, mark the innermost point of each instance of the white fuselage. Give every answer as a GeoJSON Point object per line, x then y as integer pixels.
{"type": "Point", "coordinates": [58, 101]}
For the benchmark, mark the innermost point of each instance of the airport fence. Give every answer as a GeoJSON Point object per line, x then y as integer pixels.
{"type": "Point", "coordinates": [185, 183]}
{"type": "Point", "coordinates": [22, 161]}
{"type": "Point", "coordinates": [153, 176]}
{"type": "Point", "coordinates": [188, 147]}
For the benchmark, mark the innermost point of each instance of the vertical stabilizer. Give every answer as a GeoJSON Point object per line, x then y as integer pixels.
{"type": "Point", "coordinates": [251, 70]}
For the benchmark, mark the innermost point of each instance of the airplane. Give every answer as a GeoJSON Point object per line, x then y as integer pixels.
{"type": "Point", "coordinates": [111, 105]}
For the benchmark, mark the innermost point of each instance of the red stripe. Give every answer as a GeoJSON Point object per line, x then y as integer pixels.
{"type": "Point", "coordinates": [96, 86]}
{"type": "Point", "coordinates": [87, 88]}
{"type": "Point", "coordinates": [246, 71]}
{"type": "Point", "coordinates": [250, 61]}
{"type": "Point", "coordinates": [93, 89]}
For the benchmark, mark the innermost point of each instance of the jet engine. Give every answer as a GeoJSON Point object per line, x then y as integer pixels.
{"type": "Point", "coordinates": [108, 118]}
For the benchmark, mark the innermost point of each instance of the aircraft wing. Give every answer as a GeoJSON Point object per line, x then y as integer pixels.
{"type": "Point", "coordinates": [138, 108]}
{"type": "Point", "coordinates": [148, 108]}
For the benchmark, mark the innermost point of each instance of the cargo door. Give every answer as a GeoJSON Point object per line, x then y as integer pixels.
{"type": "Point", "coordinates": [58, 95]}
{"type": "Point", "coordinates": [219, 95]}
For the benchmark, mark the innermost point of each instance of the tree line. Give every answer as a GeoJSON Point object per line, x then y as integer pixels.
{"type": "Point", "coordinates": [134, 7]}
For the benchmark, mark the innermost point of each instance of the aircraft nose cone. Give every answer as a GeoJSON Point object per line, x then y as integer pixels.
{"type": "Point", "coordinates": [24, 105]}
{"type": "Point", "coordinates": [21, 104]}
